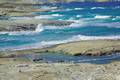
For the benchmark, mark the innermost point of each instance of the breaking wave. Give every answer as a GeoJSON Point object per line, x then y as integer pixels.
{"type": "Point", "coordinates": [110, 25]}
{"type": "Point", "coordinates": [56, 15]}
{"type": "Point", "coordinates": [101, 17]}
{"type": "Point", "coordinates": [79, 8]}
{"type": "Point", "coordinates": [39, 28]}
{"type": "Point", "coordinates": [44, 44]}
{"type": "Point", "coordinates": [44, 17]}
{"type": "Point", "coordinates": [76, 24]}
{"type": "Point", "coordinates": [97, 8]}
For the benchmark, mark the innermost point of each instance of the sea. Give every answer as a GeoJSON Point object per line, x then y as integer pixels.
{"type": "Point", "coordinates": [91, 21]}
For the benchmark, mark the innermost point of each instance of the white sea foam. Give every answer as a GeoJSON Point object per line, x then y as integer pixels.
{"type": "Point", "coordinates": [39, 28]}
{"type": "Point", "coordinates": [117, 16]}
{"type": "Point", "coordinates": [48, 7]}
{"type": "Point", "coordinates": [76, 25]}
{"type": "Point", "coordinates": [78, 38]}
{"type": "Point", "coordinates": [101, 17]}
{"type": "Point", "coordinates": [82, 37]}
{"type": "Point", "coordinates": [97, 8]}
{"type": "Point", "coordinates": [68, 9]}
{"type": "Point", "coordinates": [55, 42]}
{"type": "Point", "coordinates": [111, 25]}
{"type": "Point", "coordinates": [79, 8]}
{"type": "Point", "coordinates": [113, 19]}
{"type": "Point", "coordinates": [44, 17]}
{"type": "Point", "coordinates": [78, 16]}
{"type": "Point", "coordinates": [20, 33]}
{"type": "Point", "coordinates": [56, 15]}
{"type": "Point", "coordinates": [48, 16]}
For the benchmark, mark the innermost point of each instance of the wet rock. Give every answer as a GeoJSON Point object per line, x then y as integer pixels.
{"type": "Point", "coordinates": [25, 27]}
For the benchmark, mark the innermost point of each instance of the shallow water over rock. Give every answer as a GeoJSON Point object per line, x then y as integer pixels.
{"type": "Point", "coordinates": [60, 57]}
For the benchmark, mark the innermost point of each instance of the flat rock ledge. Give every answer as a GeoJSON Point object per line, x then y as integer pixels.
{"type": "Point", "coordinates": [87, 47]}
{"type": "Point", "coordinates": [11, 70]}
{"type": "Point", "coordinates": [29, 24]}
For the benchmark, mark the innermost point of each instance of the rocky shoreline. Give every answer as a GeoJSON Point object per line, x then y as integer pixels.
{"type": "Point", "coordinates": [89, 48]}
{"type": "Point", "coordinates": [29, 24]}
{"type": "Point", "coordinates": [14, 68]}
{"type": "Point", "coordinates": [21, 70]}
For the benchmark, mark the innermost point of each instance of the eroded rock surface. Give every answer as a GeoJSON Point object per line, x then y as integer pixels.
{"type": "Point", "coordinates": [59, 71]}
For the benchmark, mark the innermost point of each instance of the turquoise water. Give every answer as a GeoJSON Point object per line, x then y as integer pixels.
{"type": "Point", "coordinates": [91, 21]}
{"type": "Point", "coordinates": [56, 36]}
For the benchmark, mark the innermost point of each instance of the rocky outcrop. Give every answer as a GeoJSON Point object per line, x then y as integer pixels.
{"type": "Point", "coordinates": [11, 69]}
{"type": "Point", "coordinates": [90, 48]}
{"type": "Point", "coordinates": [29, 24]}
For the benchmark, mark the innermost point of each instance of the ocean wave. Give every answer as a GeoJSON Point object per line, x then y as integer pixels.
{"type": "Point", "coordinates": [83, 22]}
{"type": "Point", "coordinates": [117, 16]}
{"type": "Point", "coordinates": [56, 15]}
{"type": "Point", "coordinates": [78, 8]}
{"type": "Point", "coordinates": [44, 17]}
{"type": "Point", "coordinates": [48, 7]}
{"type": "Point", "coordinates": [110, 25]}
{"type": "Point", "coordinates": [75, 24]}
{"type": "Point", "coordinates": [98, 8]}
{"type": "Point", "coordinates": [78, 16]}
{"type": "Point", "coordinates": [71, 9]}
{"type": "Point", "coordinates": [38, 29]}
{"type": "Point", "coordinates": [48, 16]}
{"type": "Point", "coordinates": [82, 37]}
{"type": "Point", "coordinates": [68, 9]}
{"type": "Point", "coordinates": [18, 32]}
{"type": "Point", "coordinates": [101, 17]}
{"type": "Point", "coordinates": [44, 44]}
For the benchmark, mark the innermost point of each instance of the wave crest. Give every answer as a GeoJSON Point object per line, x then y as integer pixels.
{"type": "Point", "coordinates": [44, 44]}
{"type": "Point", "coordinates": [101, 17]}
{"type": "Point", "coordinates": [97, 8]}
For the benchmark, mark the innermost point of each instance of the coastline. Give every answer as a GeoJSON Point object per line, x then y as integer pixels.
{"type": "Point", "coordinates": [14, 70]}
{"type": "Point", "coordinates": [29, 24]}
{"type": "Point", "coordinates": [81, 55]}
{"type": "Point", "coordinates": [85, 47]}
{"type": "Point", "coordinates": [88, 47]}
